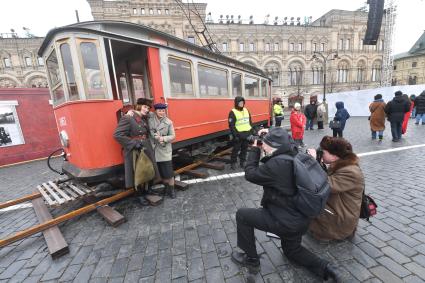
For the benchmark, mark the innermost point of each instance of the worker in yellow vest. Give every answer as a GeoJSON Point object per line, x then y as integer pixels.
{"type": "Point", "coordinates": [278, 112]}
{"type": "Point", "coordinates": [240, 126]}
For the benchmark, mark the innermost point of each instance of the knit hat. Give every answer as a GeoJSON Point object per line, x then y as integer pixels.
{"type": "Point", "coordinates": [144, 101]}
{"type": "Point", "coordinates": [378, 96]}
{"type": "Point", "coordinates": [276, 137]}
{"type": "Point", "coordinates": [398, 93]}
{"type": "Point", "coordinates": [297, 106]}
{"type": "Point", "coordinates": [336, 146]}
{"type": "Point", "coordinates": [160, 106]}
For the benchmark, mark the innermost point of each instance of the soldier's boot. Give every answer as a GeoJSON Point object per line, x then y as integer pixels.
{"type": "Point", "coordinates": [170, 191]}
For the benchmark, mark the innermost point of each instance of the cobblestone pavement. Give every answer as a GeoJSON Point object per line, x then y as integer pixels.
{"type": "Point", "coordinates": [190, 239]}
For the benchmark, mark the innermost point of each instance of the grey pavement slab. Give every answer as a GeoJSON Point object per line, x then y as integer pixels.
{"type": "Point", "coordinates": [190, 239]}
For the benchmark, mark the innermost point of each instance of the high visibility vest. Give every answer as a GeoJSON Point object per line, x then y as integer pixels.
{"type": "Point", "coordinates": [242, 120]}
{"type": "Point", "coordinates": [277, 109]}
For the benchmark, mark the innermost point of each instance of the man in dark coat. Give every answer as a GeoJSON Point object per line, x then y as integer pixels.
{"type": "Point", "coordinates": [420, 108]}
{"type": "Point", "coordinates": [395, 110]}
{"type": "Point", "coordinates": [278, 214]}
{"type": "Point", "coordinates": [240, 126]}
{"type": "Point", "coordinates": [310, 113]}
{"type": "Point", "coordinates": [132, 133]}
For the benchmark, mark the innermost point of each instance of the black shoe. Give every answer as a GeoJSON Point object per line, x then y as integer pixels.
{"type": "Point", "coordinates": [252, 263]}
{"type": "Point", "coordinates": [233, 166]}
{"type": "Point", "coordinates": [143, 201]}
{"type": "Point", "coordinates": [395, 140]}
{"type": "Point", "coordinates": [333, 272]}
{"type": "Point", "coordinates": [171, 191]}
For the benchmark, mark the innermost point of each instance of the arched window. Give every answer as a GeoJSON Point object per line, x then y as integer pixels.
{"type": "Point", "coordinates": [295, 74]}
{"type": "Point", "coordinates": [376, 71]}
{"type": "Point", "coordinates": [361, 72]}
{"type": "Point", "coordinates": [272, 69]}
{"type": "Point", "coordinates": [317, 74]}
{"type": "Point", "coordinates": [342, 72]}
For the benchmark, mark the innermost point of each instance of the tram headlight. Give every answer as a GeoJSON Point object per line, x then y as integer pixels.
{"type": "Point", "coordinates": [64, 138]}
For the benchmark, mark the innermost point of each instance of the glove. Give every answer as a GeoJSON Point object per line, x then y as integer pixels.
{"type": "Point", "coordinates": [139, 146]}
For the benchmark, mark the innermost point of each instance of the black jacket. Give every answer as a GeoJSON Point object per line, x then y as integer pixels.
{"type": "Point", "coordinates": [396, 108]}
{"type": "Point", "coordinates": [310, 111]}
{"type": "Point", "coordinates": [277, 178]}
{"type": "Point", "coordinates": [420, 103]}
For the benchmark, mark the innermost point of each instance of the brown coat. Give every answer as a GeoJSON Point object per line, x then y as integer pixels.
{"type": "Point", "coordinates": [377, 116]}
{"type": "Point", "coordinates": [347, 184]}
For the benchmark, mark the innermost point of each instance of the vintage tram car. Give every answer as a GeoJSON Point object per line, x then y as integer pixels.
{"type": "Point", "coordinates": [98, 69]}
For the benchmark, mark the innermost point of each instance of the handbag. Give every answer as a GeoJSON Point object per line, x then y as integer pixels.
{"type": "Point", "coordinates": [335, 125]}
{"type": "Point", "coordinates": [143, 168]}
{"type": "Point", "coordinates": [368, 207]}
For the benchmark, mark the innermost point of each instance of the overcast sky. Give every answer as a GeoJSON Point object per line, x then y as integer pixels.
{"type": "Point", "coordinates": [40, 16]}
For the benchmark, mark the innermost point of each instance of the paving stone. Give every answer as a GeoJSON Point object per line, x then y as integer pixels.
{"type": "Point", "coordinates": [412, 279]}
{"type": "Point", "coordinates": [196, 269]}
{"type": "Point", "coordinates": [210, 260]}
{"type": "Point", "coordinates": [20, 276]}
{"type": "Point", "coordinates": [416, 269]}
{"type": "Point", "coordinates": [404, 238]}
{"type": "Point", "coordinates": [149, 265]}
{"type": "Point", "coordinates": [103, 267]}
{"type": "Point", "coordinates": [85, 273]}
{"type": "Point", "coordinates": [402, 248]}
{"type": "Point", "coordinates": [56, 269]}
{"type": "Point", "coordinates": [385, 275]}
{"type": "Point", "coordinates": [370, 250]}
{"type": "Point", "coordinates": [357, 270]}
{"type": "Point", "coordinates": [136, 261]}
{"type": "Point", "coordinates": [224, 250]}
{"type": "Point", "coordinates": [82, 254]}
{"type": "Point", "coordinates": [70, 272]}
{"type": "Point", "coordinates": [237, 279]}
{"type": "Point", "coordinates": [163, 275]}
{"type": "Point", "coordinates": [150, 279]}
{"type": "Point", "coordinates": [214, 275]}
{"type": "Point", "coordinates": [179, 266]}
{"type": "Point", "coordinates": [12, 269]}
{"type": "Point", "coordinates": [179, 246]}
{"type": "Point", "coordinates": [395, 255]}
{"type": "Point", "coordinates": [119, 268]}
{"type": "Point", "coordinates": [207, 244]}
{"type": "Point", "coordinates": [132, 276]}
{"type": "Point", "coordinates": [395, 268]}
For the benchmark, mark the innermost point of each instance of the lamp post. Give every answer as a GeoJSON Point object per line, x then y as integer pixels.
{"type": "Point", "coordinates": [332, 55]}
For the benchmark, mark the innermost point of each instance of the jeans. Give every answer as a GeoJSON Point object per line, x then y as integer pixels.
{"type": "Point", "coordinates": [337, 132]}
{"type": "Point", "coordinates": [420, 117]}
{"type": "Point", "coordinates": [380, 134]}
{"type": "Point", "coordinates": [396, 130]}
{"type": "Point", "coordinates": [309, 124]}
{"type": "Point", "coordinates": [278, 120]}
{"type": "Point", "coordinates": [242, 146]}
{"type": "Point", "coordinates": [413, 112]}
{"type": "Point", "coordinates": [248, 219]}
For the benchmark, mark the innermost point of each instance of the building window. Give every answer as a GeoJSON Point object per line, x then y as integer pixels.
{"type": "Point", "coordinates": [295, 75]}
{"type": "Point", "coordinates": [224, 46]}
{"type": "Point", "coordinates": [150, 11]}
{"type": "Point", "coordinates": [212, 81]}
{"type": "Point", "coordinates": [134, 11]}
{"type": "Point", "coordinates": [341, 44]}
{"type": "Point", "coordinates": [342, 73]}
{"type": "Point", "coordinates": [362, 44]}
{"type": "Point", "coordinates": [267, 47]}
{"type": "Point", "coordinates": [272, 70]}
{"type": "Point", "coordinates": [300, 47]}
{"type": "Point", "coordinates": [314, 46]}
{"type": "Point", "coordinates": [251, 47]}
{"type": "Point", "coordinates": [28, 61]}
{"type": "Point", "coordinates": [7, 62]}
{"type": "Point", "coordinates": [347, 44]}
{"type": "Point", "coordinates": [382, 45]}
{"type": "Point", "coordinates": [241, 47]}
{"type": "Point", "coordinates": [180, 77]}
{"type": "Point", "coordinates": [159, 11]}
{"type": "Point", "coordinates": [236, 84]}
{"type": "Point", "coordinates": [361, 74]}
{"type": "Point", "coordinates": [376, 72]}
{"type": "Point", "coordinates": [414, 64]}
{"type": "Point", "coordinates": [412, 80]}
{"type": "Point", "coordinates": [317, 75]}
{"type": "Point", "coordinates": [322, 47]}
{"type": "Point", "coordinates": [142, 10]}
{"type": "Point", "coordinates": [191, 39]}
{"type": "Point", "coordinates": [395, 67]}
{"type": "Point", "coordinates": [167, 12]}
{"type": "Point", "coordinates": [291, 47]}
{"type": "Point", "coordinates": [40, 61]}
{"type": "Point", "coordinates": [276, 46]}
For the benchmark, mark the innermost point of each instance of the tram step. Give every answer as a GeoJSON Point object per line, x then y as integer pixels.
{"type": "Point", "coordinates": [56, 194]}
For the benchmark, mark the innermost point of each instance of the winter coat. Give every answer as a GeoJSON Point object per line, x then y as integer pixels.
{"type": "Point", "coordinates": [420, 103]}
{"type": "Point", "coordinates": [128, 128]}
{"type": "Point", "coordinates": [232, 121]}
{"type": "Point", "coordinates": [377, 115]}
{"type": "Point", "coordinates": [276, 177]}
{"type": "Point", "coordinates": [310, 111]}
{"type": "Point", "coordinates": [341, 114]}
{"type": "Point", "coordinates": [396, 108]}
{"type": "Point", "coordinates": [163, 127]}
{"type": "Point", "coordinates": [321, 112]}
{"type": "Point", "coordinates": [347, 184]}
{"type": "Point", "coordinates": [407, 118]}
{"type": "Point", "coordinates": [297, 120]}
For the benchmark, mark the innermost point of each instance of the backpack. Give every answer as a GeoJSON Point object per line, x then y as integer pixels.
{"type": "Point", "coordinates": [312, 184]}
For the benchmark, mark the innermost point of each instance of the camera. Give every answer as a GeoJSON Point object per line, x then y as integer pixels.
{"type": "Point", "coordinates": [259, 138]}
{"type": "Point", "coordinates": [319, 154]}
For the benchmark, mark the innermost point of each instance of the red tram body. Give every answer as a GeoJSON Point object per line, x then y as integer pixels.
{"type": "Point", "coordinates": [98, 69]}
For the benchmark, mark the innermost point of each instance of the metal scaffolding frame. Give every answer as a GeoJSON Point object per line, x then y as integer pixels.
{"type": "Point", "coordinates": [387, 57]}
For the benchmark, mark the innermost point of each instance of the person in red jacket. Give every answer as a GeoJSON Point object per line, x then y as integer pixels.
{"type": "Point", "coordinates": [298, 122]}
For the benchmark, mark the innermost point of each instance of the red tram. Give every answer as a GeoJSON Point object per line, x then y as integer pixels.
{"type": "Point", "coordinates": [96, 70]}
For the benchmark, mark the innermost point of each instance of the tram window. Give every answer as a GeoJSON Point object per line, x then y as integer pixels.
{"type": "Point", "coordinates": [212, 81]}
{"type": "Point", "coordinates": [124, 88]}
{"type": "Point", "coordinates": [180, 77]}
{"type": "Point", "coordinates": [236, 84]}
{"type": "Point", "coordinates": [69, 71]}
{"type": "Point", "coordinates": [251, 87]}
{"type": "Point", "coordinates": [138, 86]}
{"type": "Point", "coordinates": [93, 75]}
{"type": "Point", "coordinates": [264, 88]}
{"type": "Point", "coordinates": [55, 79]}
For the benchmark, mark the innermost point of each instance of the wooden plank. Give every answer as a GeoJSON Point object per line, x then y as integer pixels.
{"type": "Point", "coordinates": [46, 196]}
{"type": "Point", "coordinates": [57, 189]}
{"type": "Point", "coordinates": [222, 159]}
{"type": "Point", "coordinates": [53, 194]}
{"type": "Point", "coordinates": [80, 192]}
{"type": "Point", "coordinates": [69, 191]}
{"type": "Point", "coordinates": [20, 200]}
{"type": "Point", "coordinates": [85, 188]}
{"type": "Point", "coordinates": [196, 174]}
{"type": "Point", "coordinates": [53, 236]}
{"type": "Point", "coordinates": [113, 217]}
{"type": "Point", "coordinates": [53, 222]}
{"type": "Point", "coordinates": [181, 185]}
{"type": "Point", "coordinates": [215, 166]}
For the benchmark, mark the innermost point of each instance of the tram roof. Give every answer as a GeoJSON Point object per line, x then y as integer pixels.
{"type": "Point", "coordinates": [126, 30]}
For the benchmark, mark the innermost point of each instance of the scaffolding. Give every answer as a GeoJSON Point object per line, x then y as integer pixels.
{"type": "Point", "coordinates": [387, 60]}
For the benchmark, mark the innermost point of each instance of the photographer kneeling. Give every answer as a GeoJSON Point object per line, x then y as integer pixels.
{"type": "Point", "coordinates": [340, 218]}
{"type": "Point", "coordinates": [279, 214]}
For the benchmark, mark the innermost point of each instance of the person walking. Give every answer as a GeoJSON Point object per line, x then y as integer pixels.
{"type": "Point", "coordinates": [420, 108]}
{"type": "Point", "coordinates": [278, 214]}
{"type": "Point", "coordinates": [278, 112]}
{"type": "Point", "coordinates": [412, 99]}
{"type": "Point", "coordinates": [407, 114]}
{"type": "Point", "coordinates": [240, 126]}
{"type": "Point", "coordinates": [162, 134]}
{"type": "Point", "coordinates": [298, 123]}
{"type": "Point", "coordinates": [321, 113]}
{"type": "Point", "coordinates": [395, 110]}
{"type": "Point", "coordinates": [310, 112]}
{"type": "Point", "coordinates": [342, 116]}
{"type": "Point", "coordinates": [377, 117]}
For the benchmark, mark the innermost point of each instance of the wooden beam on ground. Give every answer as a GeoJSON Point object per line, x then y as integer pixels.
{"type": "Point", "coordinates": [20, 200]}
{"type": "Point", "coordinates": [113, 217]}
{"type": "Point", "coordinates": [215, 166]}
{"type": "Point", "coordinates": [198, 163]}
{"type": "Point", "coordinates": [43, 226]}
{"type": "Point", "coordinates": [222, 159]}
{"type": "Point", "coordinates": [53, 236]}
{"type": "Point", "coordinates": [181, 185]}
{"type": "Point", "coordinates": [196, 174]}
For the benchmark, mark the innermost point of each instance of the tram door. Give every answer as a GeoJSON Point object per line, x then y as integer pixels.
{"type": "Point", "coordinates": [130, 63]}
